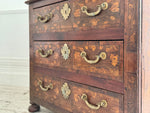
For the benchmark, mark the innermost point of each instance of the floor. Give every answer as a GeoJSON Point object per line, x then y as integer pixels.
{"type": "Point", "coordinates": [15, 100]}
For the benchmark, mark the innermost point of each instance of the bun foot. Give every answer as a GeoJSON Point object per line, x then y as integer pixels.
{"type": "Point", "coordinates": [34, 108]}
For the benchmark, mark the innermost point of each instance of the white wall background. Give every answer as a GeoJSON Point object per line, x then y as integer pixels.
{"type": "Point", "coordinates": [12, 5]}
{"type": "Point", "coordinates": [14, 43]}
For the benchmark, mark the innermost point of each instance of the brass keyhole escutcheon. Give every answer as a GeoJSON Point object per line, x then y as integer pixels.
{"type": "Point", "coordinates": [65, 11]}
{"type": "Point", "coordinates": [65, 51]}
{"type": "Point", "coordinates": [65, 91]}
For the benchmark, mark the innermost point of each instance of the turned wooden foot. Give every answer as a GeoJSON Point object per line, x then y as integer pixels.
{"type": "Point", "coordinates": [34, 108]}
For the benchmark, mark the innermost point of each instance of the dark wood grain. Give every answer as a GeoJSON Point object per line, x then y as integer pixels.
{"type": "Point", "coordinates": [119, 23]}
{"type": "Point", "coordinates": [103, 83]}
{"type": "Point", "coordinates": [107, 34]}
{"type": "Point", "coordinates": [38, 3]}
{"type": "Point", "coordinates": [31, 1]}
{"type": "Point", "coordinates": [74, 103]}
{"type": "Point", "coordinates": [131, 103]}
{"type": "Point", "coordinates": [78, 21]}
{"type": "Point", "coordinates": [115, 101]}
{"type": "Point", "coordinates": [53, 96]}
{"type": "Point", "coordinates": [111, 68]}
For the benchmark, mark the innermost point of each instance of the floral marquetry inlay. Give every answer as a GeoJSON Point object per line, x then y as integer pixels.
{"type": "Point", "coordinates": [65, 11]}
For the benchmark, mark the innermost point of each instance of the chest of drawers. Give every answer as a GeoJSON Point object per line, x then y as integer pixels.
{"type": "Point", "coordinates": [84, 56]}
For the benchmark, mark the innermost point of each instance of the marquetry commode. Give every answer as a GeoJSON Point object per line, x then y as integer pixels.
{"type": "Point", "coordinates": [83, 56]}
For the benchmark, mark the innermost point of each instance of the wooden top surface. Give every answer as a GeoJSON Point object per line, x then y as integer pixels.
{"type": "Point", "coordinates": [33, 1]}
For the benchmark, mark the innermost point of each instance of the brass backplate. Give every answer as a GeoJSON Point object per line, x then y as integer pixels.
{"type": "Point", "coordinates": [65, 11]}
{"type": "Point", "coordinates": [65, 90]}
{"type": "Point", "coordinates": [65, 51]}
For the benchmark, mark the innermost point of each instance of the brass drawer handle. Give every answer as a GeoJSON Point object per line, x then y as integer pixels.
{"type": "Point", "coordinates": [101, 7]}
{"type": "Point", "coordinates": [44, 54]}
{"type": "Point", "coordinates": [45, 19]}
{"type": "Point", "coordinates": [103, 103]}
{"type": "Point", "coordinates": [98, 57]}
{"type": "Point", "coordinates": [45, 88]}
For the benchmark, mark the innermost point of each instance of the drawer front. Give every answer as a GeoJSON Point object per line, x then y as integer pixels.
{"type": "Point", "coordinates": [68, 96]}
{"type": "Point", "coordinates": [109, 18]}
{"type": "Point", "coordinates": [109, 68]}
{"type": "Point", "coordinates": [77, 20]}
{"type": "Point", "coordinates": [49, 97]}
{"type": "Point", "coordinates": [114, 101]}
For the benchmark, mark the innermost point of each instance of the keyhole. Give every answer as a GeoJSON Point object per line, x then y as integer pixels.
{"type": "Point", "coordinates": [64, 91]}
{"type": "Point", "coordinates": [103, 5]}
{"type": "Point", "coordinates": [103, 55]}
{"type": "Point", "coordinates": [103, 104]}
{"type": "Point", "coordinates": [65, 12]}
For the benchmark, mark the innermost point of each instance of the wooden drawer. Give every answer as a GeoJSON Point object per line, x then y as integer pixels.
{"type": "Point", "coordinates": [53, 25]}
{"type": "Point", "coordinates": [73, 103]}
{"type": "Point", "coordinates": [112, 19]}
{"type": "Point", "coordinates": [113, 31]}
{"type": "Point", "coordinates": [109, 18]}
{"type": "Point", "coordinates": [94, 96]}
{"type": "Point", "coordinates": [50, 98]}
{"type": "Point", "coordinates": [109, 70]}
